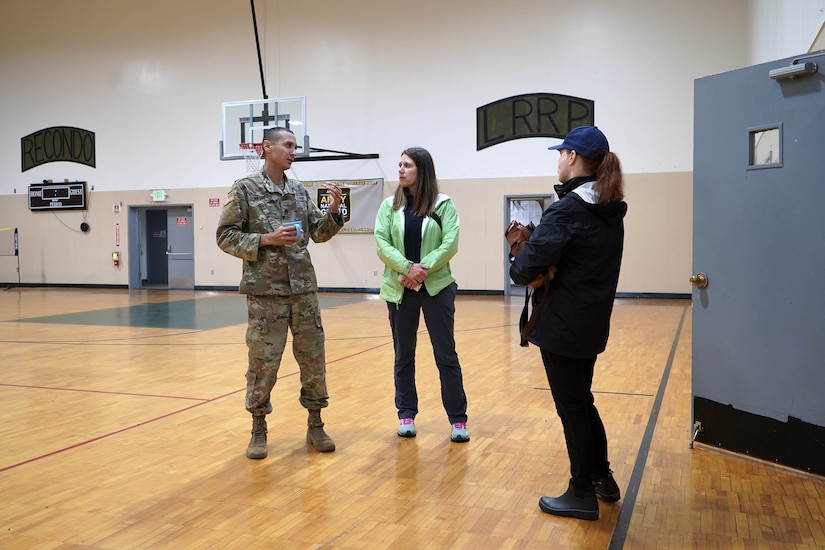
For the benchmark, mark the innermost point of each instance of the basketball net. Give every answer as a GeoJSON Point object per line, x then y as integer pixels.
{"type": "Point", "coordinates": [252, 153]}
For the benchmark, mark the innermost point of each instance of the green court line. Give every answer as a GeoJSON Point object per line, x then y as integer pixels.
{"type": "Point", "coordinates": [196, 314]}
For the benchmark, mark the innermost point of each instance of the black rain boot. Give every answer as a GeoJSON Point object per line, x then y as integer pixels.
{"type": "Point", "coordinates": [574, 503]}
{"type": "Point", "coordinates": [606, 487]}
{"type": "Point", "coordinates": [316, 434]}
{"type": "Point", "coordinates": [257, 444]}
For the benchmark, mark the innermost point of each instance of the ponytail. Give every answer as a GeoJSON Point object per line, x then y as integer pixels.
{"type": "Point", "coordinates": [609, 179]}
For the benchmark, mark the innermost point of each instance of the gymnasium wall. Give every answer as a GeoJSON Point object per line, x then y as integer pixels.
{"type": "Point", "coordinates": [149, 79]}
{"type": "Point", "coordinates": [54, 251]}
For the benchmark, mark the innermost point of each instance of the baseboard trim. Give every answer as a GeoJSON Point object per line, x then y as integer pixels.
{"type": "Point", "coordinates": [795, 443]}
{"type": "Point", "coordinates": [231, 288]}
{"type": "Point", "coordinates": [654, 295]}
{"type": "Point", "coordinates": [60, 285]}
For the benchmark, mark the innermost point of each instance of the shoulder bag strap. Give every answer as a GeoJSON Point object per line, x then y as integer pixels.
{"type": "Point", "coordinates": [529, 325]}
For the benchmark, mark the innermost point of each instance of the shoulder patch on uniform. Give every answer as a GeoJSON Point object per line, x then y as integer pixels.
{"type": "Point", "coordinates": [229, 198]}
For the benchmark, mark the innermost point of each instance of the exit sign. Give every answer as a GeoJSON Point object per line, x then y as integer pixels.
{"type": "Point", "coordinates": [159, 195]}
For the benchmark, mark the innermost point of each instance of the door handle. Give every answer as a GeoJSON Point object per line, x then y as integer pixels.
{"type": "Point", "coordinates": [700, 280]}
{"type": "Point", "coordinates": [170, 253]}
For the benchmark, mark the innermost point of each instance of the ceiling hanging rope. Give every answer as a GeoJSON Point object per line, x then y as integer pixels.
{"type": "Point", "coordinates": [250, 149]}
{"type": "Point", "coordinates": [258, 47]}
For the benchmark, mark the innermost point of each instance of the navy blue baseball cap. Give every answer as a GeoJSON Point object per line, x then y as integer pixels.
{"type": "Point", "coordinates": [587, 141]}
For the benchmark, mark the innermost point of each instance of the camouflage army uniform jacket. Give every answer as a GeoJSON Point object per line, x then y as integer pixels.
{"type": "Point", "coordinates": [251, 210]}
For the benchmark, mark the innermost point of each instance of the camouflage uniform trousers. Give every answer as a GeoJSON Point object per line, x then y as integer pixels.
{"type": "Point", "coordinates": [266, 333]}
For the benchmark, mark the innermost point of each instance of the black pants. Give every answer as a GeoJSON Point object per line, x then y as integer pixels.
{"type": "Point", "coordinates": [570, 380]}
{"type": "Point", "coordinates": [439, 316]}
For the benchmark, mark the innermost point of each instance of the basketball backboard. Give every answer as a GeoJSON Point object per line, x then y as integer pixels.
{"type": "Point", "coordinates": [245, 122]}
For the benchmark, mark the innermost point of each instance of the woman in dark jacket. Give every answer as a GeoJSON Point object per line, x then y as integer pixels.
{"type": "Point", "coordinates": [582, 234]}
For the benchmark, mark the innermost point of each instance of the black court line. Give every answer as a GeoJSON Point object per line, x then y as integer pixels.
{"type": "Point", "coordinates": [595, 392]}
{"type": "Point", "coordinates": [629, 502]}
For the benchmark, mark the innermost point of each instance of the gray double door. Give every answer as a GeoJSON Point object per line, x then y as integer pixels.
{"type": "Point", "coordinates": [759, 245]}
{"type": "Point", "coordinates": [161, 241]}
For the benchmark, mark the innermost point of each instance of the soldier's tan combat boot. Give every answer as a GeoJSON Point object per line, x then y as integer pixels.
{"type": "Point", "coordinates": [316, 434]}
{"type": "Point", "coordinates": [257, 444]}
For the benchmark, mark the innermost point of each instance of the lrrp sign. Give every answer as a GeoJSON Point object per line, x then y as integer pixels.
{"type": "Point", "coordinates": [531, 115]}
{"type": "Point", "coordinates": [58, 143]}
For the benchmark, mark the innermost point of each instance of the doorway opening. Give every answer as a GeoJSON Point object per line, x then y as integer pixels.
{"type": "Point", "coordinates": [162, 247]}
{"type": "Point", "coordinates": [523, 209]}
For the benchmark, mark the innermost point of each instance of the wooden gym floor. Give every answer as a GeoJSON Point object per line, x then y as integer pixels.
{"type": "Point", "coordinates": [123, 427]}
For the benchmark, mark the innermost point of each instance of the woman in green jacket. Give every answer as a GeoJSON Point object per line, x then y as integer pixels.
{"type": "Point", "coordinates": [416, 235]}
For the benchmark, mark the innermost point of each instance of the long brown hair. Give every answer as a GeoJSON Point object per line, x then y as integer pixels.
{"type": "Point", "coordinates": [426, 183]}
{"type": "Point", "coordinates": [609, 178]}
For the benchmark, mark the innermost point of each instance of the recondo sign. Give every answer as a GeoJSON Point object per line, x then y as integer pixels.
{"type": "Point", "coordinates": [58, 143]}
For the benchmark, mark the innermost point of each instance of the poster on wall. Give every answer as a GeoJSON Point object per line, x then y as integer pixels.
{"type": "Point", "coordinates": [359, 204]}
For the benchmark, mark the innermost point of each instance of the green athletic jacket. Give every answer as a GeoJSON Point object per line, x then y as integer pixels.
{"type": "Point", "coordinates": [438, 246]}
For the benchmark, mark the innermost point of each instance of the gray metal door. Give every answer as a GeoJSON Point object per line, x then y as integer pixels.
{"type": "Point", "coordinates": [759, 239]}
{"type": "Point", "coordinates": [180, 249]}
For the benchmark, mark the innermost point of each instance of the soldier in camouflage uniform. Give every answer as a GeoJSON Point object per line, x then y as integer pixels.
{"type": "Point", "coordinates": [279, 281]}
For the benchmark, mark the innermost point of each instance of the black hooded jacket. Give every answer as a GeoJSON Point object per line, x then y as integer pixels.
{"type": "Point", "coordinates": [584, 241]}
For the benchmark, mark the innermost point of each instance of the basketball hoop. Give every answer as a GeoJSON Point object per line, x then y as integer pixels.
{"type": "Point", "coordinates": [252, 153]}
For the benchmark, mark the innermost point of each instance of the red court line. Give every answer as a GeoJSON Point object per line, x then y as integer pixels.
{"type": "Point", "coordinates": [139, 424]}
{"type": "Point", "coordinates": [102, 391]}
{"type": "Point", "coordinates": [357, 353]}
{"type": "Point", "coordinates": [126, 429]}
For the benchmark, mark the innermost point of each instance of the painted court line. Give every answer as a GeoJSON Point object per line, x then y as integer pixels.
{"type": "Point", "coordinates": [629, 501]}
{"type": "Point", "coordinates": [200, 403]}
{"type": "Point", "coordinates": [110, 434]}
{"type": "Point", "coordinates": [106, 392]}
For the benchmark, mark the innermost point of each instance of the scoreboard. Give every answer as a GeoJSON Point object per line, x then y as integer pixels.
{"type": "Point", "coordinates": [57, 196]}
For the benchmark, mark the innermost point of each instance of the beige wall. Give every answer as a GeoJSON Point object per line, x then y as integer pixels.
{"type": "Point", "coordinates": [53, 250]}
